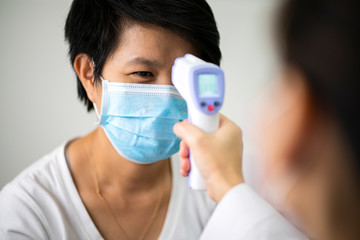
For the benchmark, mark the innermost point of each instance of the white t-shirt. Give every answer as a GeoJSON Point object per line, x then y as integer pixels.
{"type": "Point", "coordinates": [43, 203]}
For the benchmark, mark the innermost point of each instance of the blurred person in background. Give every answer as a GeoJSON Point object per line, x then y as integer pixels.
{"type": "Point", "coordinates": [118, 181]}
{"type": "Point", "coordinates": [310, 137]}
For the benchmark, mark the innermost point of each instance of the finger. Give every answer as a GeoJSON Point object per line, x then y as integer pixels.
{"type": "Point", "coordinates": [185, 164]}
{"type": "Point", "coordinates": [222, 117]}
{"type": "Point", "coordinates": [224, 120]}
{"type": "Point", "coordinates": [227, 125]}
{"type": "Point", "coordinates": [184, 173]}
{"type": "Point", "coordinates": [188, 132]}
{"type": "Point", "coordinates": [184, 150]}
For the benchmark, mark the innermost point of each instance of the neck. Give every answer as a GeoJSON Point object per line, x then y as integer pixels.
{"type": "Point", "coordinates": [114, 170]}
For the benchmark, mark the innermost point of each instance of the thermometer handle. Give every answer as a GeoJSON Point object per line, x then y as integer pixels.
{"type": "Point", "coordinates": [209, 124]}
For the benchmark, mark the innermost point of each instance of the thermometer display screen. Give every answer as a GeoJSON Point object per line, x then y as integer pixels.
{"type": "Point", "coordinates": [208, 85]}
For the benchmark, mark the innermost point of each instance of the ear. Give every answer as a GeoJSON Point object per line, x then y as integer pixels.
{"type": "Point", "coordinates": [84, 68]}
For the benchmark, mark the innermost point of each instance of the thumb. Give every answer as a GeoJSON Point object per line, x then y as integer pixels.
{"type": "Point", "coordinates": [188, 132]}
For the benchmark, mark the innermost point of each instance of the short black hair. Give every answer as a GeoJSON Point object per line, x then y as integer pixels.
{"type": "Point", "coordinates": [94, 27]}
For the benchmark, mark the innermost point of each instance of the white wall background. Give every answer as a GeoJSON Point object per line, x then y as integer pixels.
{"type": "Point", "coordinates": [38, 102]}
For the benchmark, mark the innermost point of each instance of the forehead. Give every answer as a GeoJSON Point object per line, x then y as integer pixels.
{"type": "Point", "coordinates": [152, 42]}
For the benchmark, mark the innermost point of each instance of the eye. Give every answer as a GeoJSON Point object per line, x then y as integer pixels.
{"type": "Point", "coordinates": [144, 74]}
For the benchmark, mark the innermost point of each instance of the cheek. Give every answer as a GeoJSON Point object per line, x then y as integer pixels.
{"type": "Point", "coordinates": [265, 138]}
{"type": "Point", "coordinates": [280, 135]}
{"type": "Point", "coordinates": [272, 143]}
{"type": "Point", "coordinates": [275, 139]}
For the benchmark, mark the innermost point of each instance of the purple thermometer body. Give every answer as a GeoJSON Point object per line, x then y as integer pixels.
{"type": "Point", "coordinates": [202, 85]}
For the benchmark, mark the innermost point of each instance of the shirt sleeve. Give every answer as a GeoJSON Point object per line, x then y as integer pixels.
{"type": "Point", "coordinates": [242, 214]}
{"type": "Point", "coordinates": [19, 217]}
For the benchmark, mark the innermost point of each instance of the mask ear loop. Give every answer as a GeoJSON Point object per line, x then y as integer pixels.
{"type": "Point", "coordinates": [94, 105]}
{"type": "Point", "coordinates": [97, 112]}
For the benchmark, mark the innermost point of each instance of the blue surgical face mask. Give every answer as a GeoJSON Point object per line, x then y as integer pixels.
{"type": "Point", "coordinates": [138, 119]}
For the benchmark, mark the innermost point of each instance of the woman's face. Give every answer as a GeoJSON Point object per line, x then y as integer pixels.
{"type": "Point", "coordinates": [146, 54]}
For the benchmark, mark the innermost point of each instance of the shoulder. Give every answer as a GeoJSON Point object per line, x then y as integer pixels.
{"type": "Point", "coordinates": [41, 174]}
{"type": "Point", "coordinates": [24, 200]}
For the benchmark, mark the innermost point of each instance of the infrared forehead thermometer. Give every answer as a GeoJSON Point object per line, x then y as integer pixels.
{"type": "Point", "coordinates": [202, 86]}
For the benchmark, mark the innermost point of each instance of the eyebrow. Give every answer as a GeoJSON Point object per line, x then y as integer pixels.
{"type": "Point", "coordinates": [143, 61]}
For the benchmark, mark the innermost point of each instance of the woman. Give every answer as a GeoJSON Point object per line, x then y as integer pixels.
{"type": "Point", "coordinates": [117, 182]}
{"type": "Point", "coordinates": [310, 137]}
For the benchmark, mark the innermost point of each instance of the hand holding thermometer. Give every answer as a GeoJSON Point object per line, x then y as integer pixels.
{"type": "Point", "coordinates": [202, 86]}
